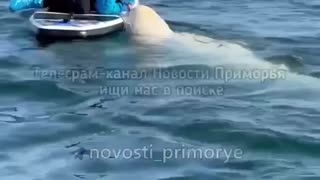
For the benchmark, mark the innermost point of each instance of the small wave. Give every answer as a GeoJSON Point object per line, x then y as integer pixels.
{"type": "Point", "coordinates": [35, 90]}
{"type": "Point", "coordinates": [315, 74]}
{"type": "Point", "coordinates": [315, 4]}
{"type": "Point", "coordinates": [254, 139]}
{"type": "Point", "coordinates": [291, 61]}
{"type": "Point", "coordinates": [8, 118]}
{"type": "Point", "coordinates": [10, 61]}
{"type": "Point", "coordinates": [282, 40]}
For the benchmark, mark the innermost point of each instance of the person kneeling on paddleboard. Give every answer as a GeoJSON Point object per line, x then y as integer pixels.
{"type": "Point", "coordinates": [75, 6]}
{"type": "Point", "coordinates": [113, 6]}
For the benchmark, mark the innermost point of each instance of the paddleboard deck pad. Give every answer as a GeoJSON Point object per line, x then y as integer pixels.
{"type": "Point", "coordinates": [76, 26]}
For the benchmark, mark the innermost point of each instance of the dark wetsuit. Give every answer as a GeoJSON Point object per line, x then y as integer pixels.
{"type": "Point", "coordinates": [70, 6]}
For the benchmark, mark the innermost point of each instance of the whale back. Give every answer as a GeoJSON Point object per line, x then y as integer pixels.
{"type": "Point", "coordinates": [144, 21]}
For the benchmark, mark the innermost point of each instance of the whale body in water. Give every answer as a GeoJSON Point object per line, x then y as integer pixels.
{"type": "Point", "coordinates": [143, 21]}
{"type": "Point", "coordinates": [147, 27]}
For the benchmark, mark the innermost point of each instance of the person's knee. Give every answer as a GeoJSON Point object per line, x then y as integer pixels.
{"type": "Point", "coordinates": [108, 7]}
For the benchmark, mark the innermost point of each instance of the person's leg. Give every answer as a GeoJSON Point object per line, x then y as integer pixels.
{"type": "Point", "coordinates": [65, 6]}
{"type": "Point", "coordinates": [69, 6]}
{"type": "Point", "coordinates": [93, 5]}
{"type": "Point", "coordinates": [82, 6]}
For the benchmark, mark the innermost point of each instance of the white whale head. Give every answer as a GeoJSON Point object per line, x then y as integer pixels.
{"type": "Point", "coordinates": [143, 21]}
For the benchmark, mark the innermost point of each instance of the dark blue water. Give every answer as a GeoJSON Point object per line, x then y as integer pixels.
{"type": "Point", "coordinates": [50, 124]}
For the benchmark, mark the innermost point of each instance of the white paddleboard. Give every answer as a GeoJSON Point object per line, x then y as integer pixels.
{"type": "Point", "coordinates": [78, 25]}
